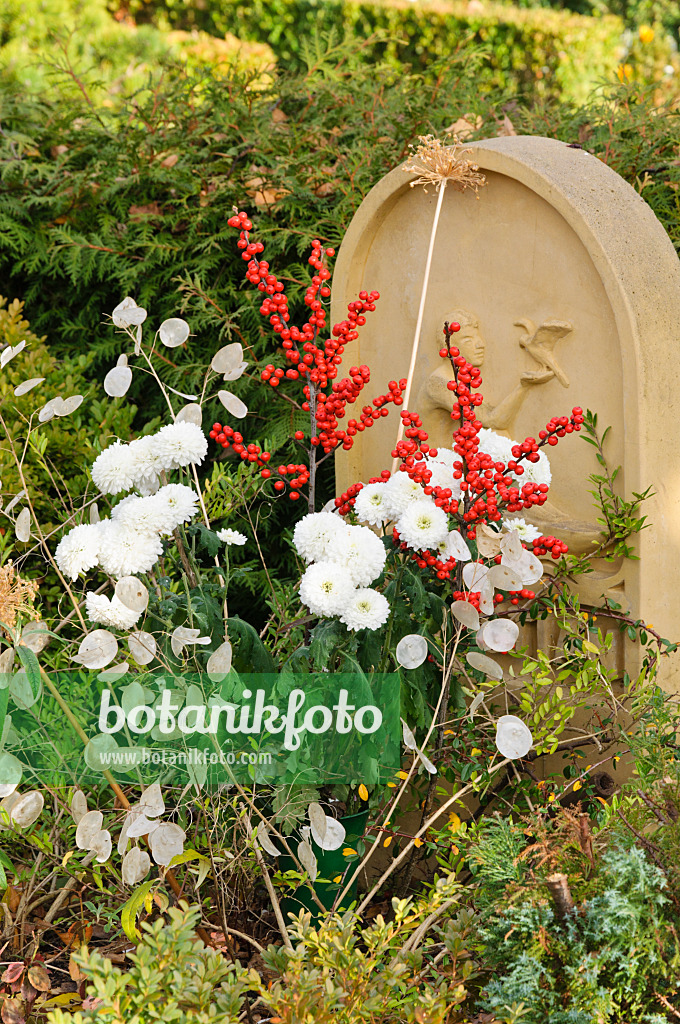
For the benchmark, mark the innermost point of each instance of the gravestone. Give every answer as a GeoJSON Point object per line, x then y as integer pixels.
{"type": "Point", "coordinates": [567, 289]}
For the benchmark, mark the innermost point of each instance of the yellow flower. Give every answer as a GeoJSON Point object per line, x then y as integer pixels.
{"type": "Point", "coordinates": [646, 33]}
{"type": "Point", "coordinates": [624, 72]}
{"type": "Point", "coordinates": [577, 785]}
{"type": "Point", "coordinates": [417, 842]}
{"type": "Point", "coordinates": [363, 792]}
{"type": "Point", "coordinates": [551, 798]}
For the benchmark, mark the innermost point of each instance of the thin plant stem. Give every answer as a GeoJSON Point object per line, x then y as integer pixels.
{"type": "Point", "coordinates": [421, 313]}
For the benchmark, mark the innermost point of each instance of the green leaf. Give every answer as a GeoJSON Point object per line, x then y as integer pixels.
{"type": "Point", "coordinates": [133, 908]}
{"type": "Point", "coordinates": [31, 667]}
{"type": "Point", "coordinates": [250, 654]}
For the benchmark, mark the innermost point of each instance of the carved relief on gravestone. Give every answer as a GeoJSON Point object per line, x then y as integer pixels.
{"type": "Point", "coordinates": [567, 290]}
{"type": "Point", "coordinates": [433, 404]}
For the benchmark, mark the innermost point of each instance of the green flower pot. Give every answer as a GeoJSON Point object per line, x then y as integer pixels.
{"type": "Point", "coordinates": [331, 864]}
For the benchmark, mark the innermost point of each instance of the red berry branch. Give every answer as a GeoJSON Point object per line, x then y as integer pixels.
{"type": "Point", "coordinates": [311, 359]}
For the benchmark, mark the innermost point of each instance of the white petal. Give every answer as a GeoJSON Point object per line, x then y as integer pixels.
{"type": "Point", "coordinates": [235, 374]}
{"type": "Point", "coordinates": [190, 414]}
{"type": "Point", "coordinates": [142, 647]}
{"type": "Point", "coordinates": [27, 809]}
{"type": "Point", "coordinates": [89, 826]}
{"type": "Point", "coordinates": [466, 613]}
{"type": "Point", "coordinates": [49, 409]}
{"type": "Point", "coordinates": [511, 546]}
{"type": "Point", "coordinates": [505, 577]}
{"type": "Point", "coordinates": [488, 541]}
{"type": "Point", "coordinates": [475, 703]}
{"type": "Point", "coordinates": [132, 593]}
{"type": "Point", "coordinates": [69, 405]}
{"type": "Point", "coordinates": [135, 866]}
{"type": "Point", "coordinates": [409, 738]}
{"type": "Point", "coordinates": [513, 738]}
{"type": "Point", "coordinates": [78, 806]}
{"type": "Point", "coordinates": [233, 404]}
{"type": "Point", "coordinates": [142, 826]}
{"type": "Point", "coordinates": [152, 803]}
{"type": "Point", "coordinates": [333, 835]}
{"type": "Point", "coordinates": [219, 662]}
{"type": "Point", "coordinates": [15, 501]}
{"type": "Point", "coordinates": [128, 314]}
{"type": "Point", "coordinates": [263, 840]}
{"type": "Point", "coordinates": [456, 547]}
{"type": "Point", "coordinates": [486, 602]}
{"type": "Point", "coordinates": [22, 527]}
{"type": "Point", "coordinates": [481, 663]}
{"type": "Point", "coordinates": [35, 636]}
{"type": "Point", "coordinates": [500, 634]}
{"type": "Point", "coordinates": [174, 332]}
{"type": "Point", "coordinates": [98, 649]}
{"type": "Point", "coordinates": [101, 845]}
{"type": "Point", "coordinates": [27, 385]}
{"type": "Point", "coordinates": [11, 771]}
{"type": "Point", "coordinates": [9, 353]}
{"type": "Point", "coordinates": [411, 651]}
{"type": "Point", "coordinates": [166, 842]}
{"type": "Point", "coordinates": [117, 381]}
{"type": "Point", "coordinates": [227, 358]}
{"type": "Point", "coordinates": [307, 859]}
{"type": "Point", "coordinates": [114, 672]}
{"type": "Point", "coordinates": [474, 573]}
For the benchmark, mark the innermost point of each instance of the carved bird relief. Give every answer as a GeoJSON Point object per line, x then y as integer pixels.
{"type": "Point", "coordinates": [540, 342]}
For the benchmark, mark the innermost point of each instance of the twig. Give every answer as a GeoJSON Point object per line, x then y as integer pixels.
{"type": "Point", "coordinates": [270, 889]}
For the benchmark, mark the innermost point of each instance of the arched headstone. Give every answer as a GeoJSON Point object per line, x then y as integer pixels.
{"type": "Point", "coordinates": [567, 289]}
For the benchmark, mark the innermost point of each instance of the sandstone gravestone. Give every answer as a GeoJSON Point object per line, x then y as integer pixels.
{"type": "Point", "coordinates": [567, 289]}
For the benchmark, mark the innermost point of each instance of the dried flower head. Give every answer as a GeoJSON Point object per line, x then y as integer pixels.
{"type": "Point", "coordinates": [16, 595]}
{"type": "Point", "coordinates": [434, 163]}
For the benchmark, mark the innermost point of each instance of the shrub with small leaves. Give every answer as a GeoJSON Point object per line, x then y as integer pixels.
{"type": "Point", "coordinates": [173, 977]}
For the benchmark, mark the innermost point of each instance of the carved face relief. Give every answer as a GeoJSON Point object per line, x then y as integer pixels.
{"type": "Point", "coordinates": [468, 340]}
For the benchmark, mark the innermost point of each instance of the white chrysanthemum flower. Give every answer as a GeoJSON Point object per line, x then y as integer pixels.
{"type": "Point", "coordinates": [147, 464]}
{"type": "Point", "coordinates": [113, 470]}
{"type": "Point", "coordinates": [107, 612]}
{"type": "Point", "coordinates": [536, 472]}
{"type": "Point", "coordinates": [400, 492]}
{"type": "Point", "coordinates": [314, 533]}
{"type": "Point", "coordinates": [360, 551]}
{"type": "Point", "coordinates": [526, 531]}
{"type": "Point", "coordinates": [78, 551]}
{"type": "Point", "coordinates": [447, 456]}
{"type": "Point", "coordinates": [326, 588]}
{"type": "Point", "coordinates": [141, 514]}
{"type": "Point", "coordinates": [495, 445]}
{"type": "Point", "coordinates": [231, 537]}
{"type": "Point", "coordinates": [173, 504]}
{"type": "Point", "coordinates": [423, 525]}
{"type": "Point", "coordinates": [125, 551]}
{"type": "Point", "coordinates": [367, 609]}
{"type": "Point", "coordinates": [369, 505]}
{"type": "Point", "coordinates": [442, 476]}
{"type": "Point", "coordinates": [180, 444]}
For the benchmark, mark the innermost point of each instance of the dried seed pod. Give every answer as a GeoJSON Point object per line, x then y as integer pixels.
{"type": "Point", "coordinates": [513, 738]}
{"type": "Point", "coordinates": [411, 651]}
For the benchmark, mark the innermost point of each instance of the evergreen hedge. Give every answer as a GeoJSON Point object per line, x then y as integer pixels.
{"type": "Point", "coordinates": [535, 52]}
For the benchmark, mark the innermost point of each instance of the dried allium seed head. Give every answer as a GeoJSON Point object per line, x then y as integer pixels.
{"type": "Point", "coordinates": [435, 163]}
{"type": "Point", "coordinates": [16, 595]}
